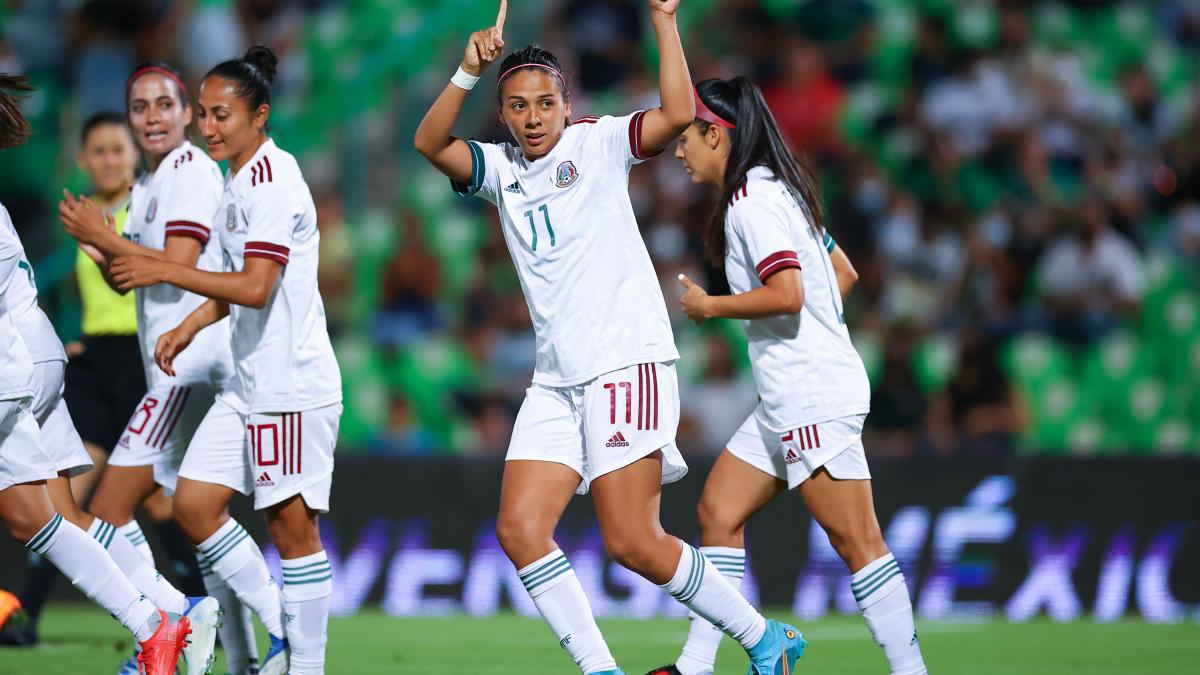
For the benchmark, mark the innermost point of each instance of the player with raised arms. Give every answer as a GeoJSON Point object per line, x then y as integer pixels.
{"type": "Point", "coordinates": [788, 279]}
{"type": "Point", "coordinates": [172, 207]}
{"type": "Point", "coordinates": [29, 510]}
{"type": "Point", "coordinates": [272, 432]}
{"type": "Point", "coordinates": [603, 407]}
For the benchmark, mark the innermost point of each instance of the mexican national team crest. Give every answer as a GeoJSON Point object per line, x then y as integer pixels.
{"type": "Point", "coordinates": [566, 174]}
{"type": "Point", "coordinates": [230, 218]}
{"type": "Point", "coordinates": [152, 209]}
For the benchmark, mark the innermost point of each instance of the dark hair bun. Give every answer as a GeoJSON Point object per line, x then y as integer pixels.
{"type": "Point", "coordinates": [262, 58]}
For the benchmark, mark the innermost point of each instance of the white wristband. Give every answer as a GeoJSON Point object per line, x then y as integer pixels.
{"type": "Point", "coordinates": [464, 80]}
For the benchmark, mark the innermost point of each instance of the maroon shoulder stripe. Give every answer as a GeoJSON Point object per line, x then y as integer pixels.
{"type": "Point", "coordinates": [185, 228]}
{"type": "Point", "coordinates": [265, 249]}
{"type": "Point", "coordinates": [778, 261]}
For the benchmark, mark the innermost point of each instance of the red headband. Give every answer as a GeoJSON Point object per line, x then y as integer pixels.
{"type": "Point", "coordinates": [530, 65]}
{"type": "Point", "coordinates": [161, 71]}
{"type": "Point", "coordinates": [703, 113]}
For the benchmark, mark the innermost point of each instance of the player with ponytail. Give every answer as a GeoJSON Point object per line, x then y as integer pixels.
{"type": "Point", "coordinates": [788, 279]}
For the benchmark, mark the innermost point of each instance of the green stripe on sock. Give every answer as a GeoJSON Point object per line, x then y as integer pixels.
{"type": "Point", "coordinates": [542, 574]}
{"type": "Point", "coordinates": [714, 557]}
{"type": "Point", "coordinates": [208, 550]}
{"type": "Point", "coordinates": [305, 575]}
{"type": "Point", "coordinates": [867, 593]}
{"type": "Point", "coordinates": [108, 535]}
{"type": "Point", "coordinates": [543, 580]}
{"type": "Point", "coordinates": [542, 567]}
{"type": "Point", "coordinates": [699, 577]}
{"type": "Point", "coordinates": [327, 577]}
{"type": "Point", "coordinates": [44, 535]}
{"type": "Point", "coordinates": [214, 556]}
{"type": "Point", "coordinates": [870, 578]}
{"type": "Point", "coordinates": [301, 568]}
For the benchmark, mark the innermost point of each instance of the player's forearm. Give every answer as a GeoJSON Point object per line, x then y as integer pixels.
{"type": "Point", "coordinates": [114, 245]}
{"type": "Point", "coordinates": [238, 288]}
{"type": "Point", "coordinates": [434, 134]}
{"type": "Point", "coordinates": [674, 78]}
{"type": "Point", "coordinates": [208, 313]}
{"type": "Point", "coordinates": [760, 303]}
{"type": "Point", "coordinates": [847, 276]}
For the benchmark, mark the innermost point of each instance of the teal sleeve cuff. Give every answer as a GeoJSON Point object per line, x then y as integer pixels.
{"type": "Point", "coordinates": [477, 173]}
{"type": "Point", "coordinates": [830, 244]}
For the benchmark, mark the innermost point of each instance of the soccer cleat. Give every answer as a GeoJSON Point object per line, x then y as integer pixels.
{"type": "Point", "coordinates": [610, 672]}
{"type": "Point", "coordinates": [129, 666]}
{"type": "Point", "coordinates": [276, 661]}
{"type": "Point", "coordinates": [205, 616]}
{"type": "Point", "coordinates": [665, 670]}
{"type": "Point", "coordinates": [162, 651]}
{"type": "Point", "coordinates": [777, 651]}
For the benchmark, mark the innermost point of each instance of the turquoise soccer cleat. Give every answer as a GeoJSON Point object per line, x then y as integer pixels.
{"type": "Point", "coordinates": [277, 660]}
{"type": "Point", "coordinates": [775, 654]}
{"type": "Point", "coordinates": [610, 672]}
{"type": "Point", "coordinates": [205, 616]}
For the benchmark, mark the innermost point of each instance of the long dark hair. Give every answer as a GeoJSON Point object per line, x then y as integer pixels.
{"type": "Point", "coordinates": [755, 140]}
{"type": "Point", "coordinates": [14, 128]}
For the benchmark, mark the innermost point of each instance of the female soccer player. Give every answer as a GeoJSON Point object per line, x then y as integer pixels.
{"type": "Point", "coordinates": [787, 277]}
{"type": "Point", "coordinates": [602, 411]}
{"type": "Point", "coordinates": [171, 209]}
{"type": "Point", "coordinates": [272, 431]}
{"type": "Point", "coordinates": [26, 463]}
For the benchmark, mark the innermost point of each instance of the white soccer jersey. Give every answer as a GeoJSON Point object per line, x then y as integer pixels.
{"type": "Point", "coordinates": [283, 360]}
{"type": "Point", "coordinates": [16, 368]}
{"type": "Point", "coordinates": [592, 292]}
{"type": "Point", "coordinates": [27, 316]}
{"type": "Point", "coordinates": [806, 369]}
{"type": "Point", "coordinates": [179, 199]}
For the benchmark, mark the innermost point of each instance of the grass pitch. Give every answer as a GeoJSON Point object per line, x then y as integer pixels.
{"type": "Point", "coordinates": [79, 639]}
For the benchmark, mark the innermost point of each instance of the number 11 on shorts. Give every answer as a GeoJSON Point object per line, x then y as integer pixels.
{"type": "Point", "coordinates": [612, 395]}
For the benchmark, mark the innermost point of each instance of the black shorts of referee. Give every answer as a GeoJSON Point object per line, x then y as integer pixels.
{"type": "Point", "coordinates": [104, 384]}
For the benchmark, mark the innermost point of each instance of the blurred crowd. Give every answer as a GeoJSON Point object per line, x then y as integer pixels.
{"type": "Point", "coordinates": [1017, 183]}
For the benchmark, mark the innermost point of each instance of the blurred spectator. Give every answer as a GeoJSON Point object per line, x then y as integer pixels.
{"type": "Point", "coordinates": [402, 433]}
{"type": "Point", "coordinates": [722, 398]}
{"type": "Point", "coordinates": [410, 289]}
{"type": "Point", "coordinates": [806, 99]}
{"type": "Point", "coordinates": [1090, 278]}
{"type": "Point", "coordinates": [978, 412]}
{"type": "Point", "coordinates": [898, 405]}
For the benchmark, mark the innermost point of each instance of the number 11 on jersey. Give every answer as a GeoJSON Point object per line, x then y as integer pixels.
{"type": "Point", "coordinates": [533, 225]}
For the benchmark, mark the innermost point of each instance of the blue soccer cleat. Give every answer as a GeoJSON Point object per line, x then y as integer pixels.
{"type": "Point", "coordinates": [277, 659]}
{"type": "Point", "coordinates": [610, 672]}
{"type": "Point", "coordinates": [777, 651]}
{"type": "Point", "coordinates": [129, 666]}
{"type": "Point", "coordinates": [201, 650]}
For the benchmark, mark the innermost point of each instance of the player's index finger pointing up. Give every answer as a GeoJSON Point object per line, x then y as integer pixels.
{"type": "Point", "coordinates": [500, 17]}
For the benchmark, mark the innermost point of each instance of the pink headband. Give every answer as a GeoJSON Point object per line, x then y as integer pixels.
{"type": "Point", "coordinates": [530, 65]}
{"type": "Point", "coordinates": [156, 69]}
{"type": "Point", "coordinates": [703, 113]}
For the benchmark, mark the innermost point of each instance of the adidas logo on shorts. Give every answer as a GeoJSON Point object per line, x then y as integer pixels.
{"type": "Point", "coordinates": [264, 480]}
{"type": "Point", "coordinates": [617, 441]}
{"type": "Point", "coordinates": [124, 442]}
{"type": "Point", "coordinates": [791, 457]}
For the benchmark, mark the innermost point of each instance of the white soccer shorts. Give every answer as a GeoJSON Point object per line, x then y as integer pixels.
{"type": "Point", "coordinates": [275, 456]}
{"type": "Point", "coordinates": [22, 457]}
{"type": "Point", "coordinates": [161, 428]}
{"type": "Point", "coordinates": [603, 425]}
{"type": "Point", "coordinates": [59, 438]}
{"type": "Point", "coordinates": [795, 455]}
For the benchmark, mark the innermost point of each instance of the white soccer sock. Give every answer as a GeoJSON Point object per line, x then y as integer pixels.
{"type": "Point", "coordinates": [133, 532]}
{"type": "Point", "coordinates": [82, 560]}
{"type": "Point", "coordinates": [559, 596]}
{"type": "Point", "coordinates": [236, 559]}
{"type": "Point", "coordinates": [307, 587]}
{"type": "Point", "coordinates": [699, 655]}
{"type": "Point", "coordinates": [131, 563]}
{"type": "Point", "coordinates": [699, 586]}
{"type": "Point", "coordinates": [883, 598]}
{"type": "Point", "coordinates": [237, 629]}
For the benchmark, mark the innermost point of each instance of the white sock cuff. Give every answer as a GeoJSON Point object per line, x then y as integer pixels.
{"type": "Point", "coordinates": [730, 562]}
{"type": "Point", "coordinates": [45, 538]}
{"type": "Point", "coordinates": [546, 573]}
{"type": "Point", "coordinates": [217, 548]}
{"type": "Point", "coordinates": [688, 576]}
{"type": "Point", "coordinates": [133, 532]}
{"type": "Point", "coordinates": [102, 532]}
{"type": "Point", "coordinates": [876, 580]}
{"type": "Point", "coordinates": [307, 578]}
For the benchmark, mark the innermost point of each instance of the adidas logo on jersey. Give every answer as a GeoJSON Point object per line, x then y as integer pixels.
{"type": "Point", "coordinates": [791, 457]}
{"type": "Point", "coordinates": [515, 187]}
{"type": "Point", "coordinates": [264, 480]}
{"type": "Point", "coordinates": [617, 441]}
{"type": "Point", "coordinates": [124, 442]}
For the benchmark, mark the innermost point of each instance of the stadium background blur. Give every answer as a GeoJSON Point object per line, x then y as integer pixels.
{"type": "Point", "coordinates": [1017, 183]}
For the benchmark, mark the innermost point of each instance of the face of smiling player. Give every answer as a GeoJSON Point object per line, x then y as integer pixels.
{"type": "Point", "coordinates": [157, 115]}
{"type": "Point", "coordinates": [231, 130]}
{"type": "Point", "coordinates": [533, 109]}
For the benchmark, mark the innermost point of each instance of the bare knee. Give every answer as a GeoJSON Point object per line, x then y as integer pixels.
{"type": "Point", "coordinates": [24, 526]}
{"type": "Point", "coordinates": [523, 539]}
{"type": "Point", "coordinates": [111, 507]}
{"type": "Point", "coordinates": [718, 527]}
{"type": "Point", "coordinates": [197, 518]}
